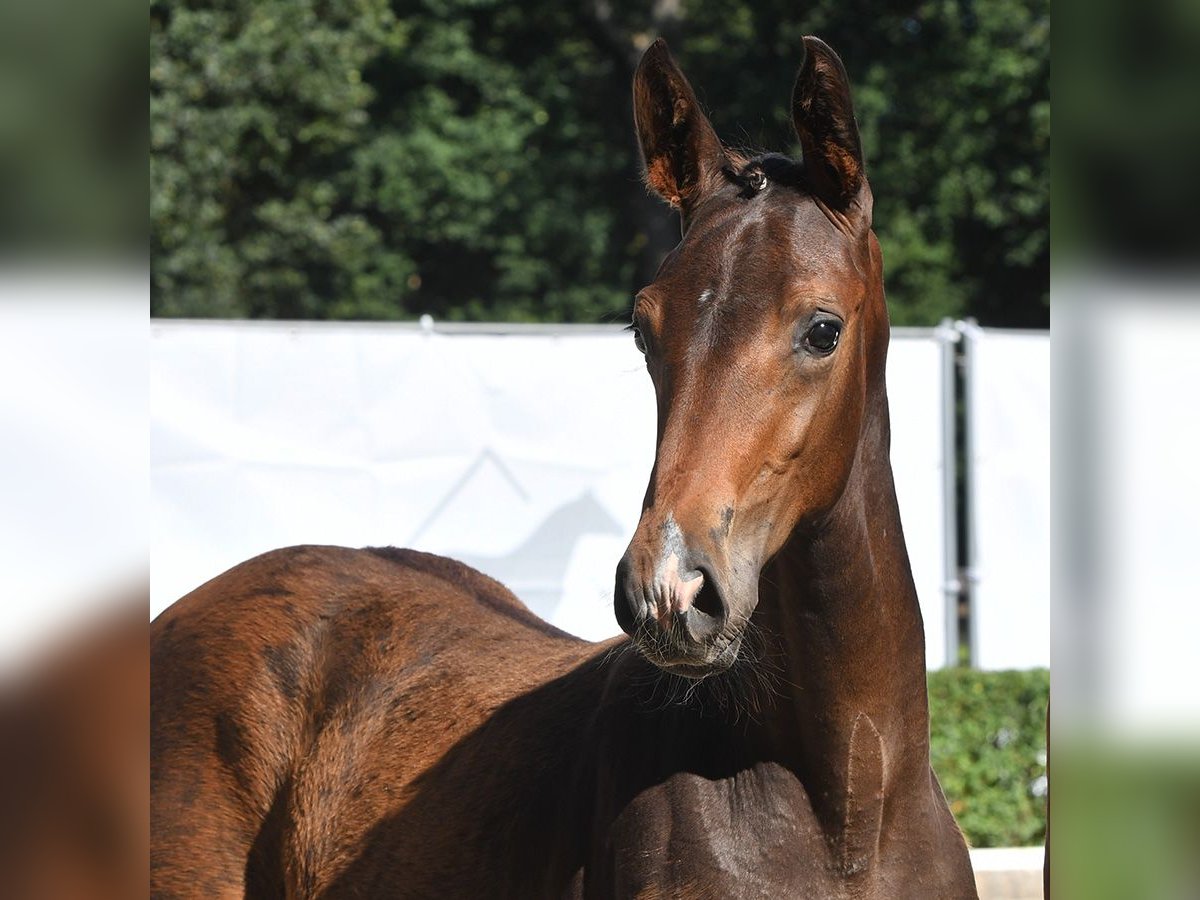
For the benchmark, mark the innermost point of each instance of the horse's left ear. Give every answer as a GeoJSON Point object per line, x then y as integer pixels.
{"type": "Point", "coordinates": [823, 115]}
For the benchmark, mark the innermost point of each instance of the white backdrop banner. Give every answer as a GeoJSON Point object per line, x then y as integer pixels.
{"type": "Point", "coordinates": [1008, 388]}
{"type": "Point", "coordinates": [523, 452]}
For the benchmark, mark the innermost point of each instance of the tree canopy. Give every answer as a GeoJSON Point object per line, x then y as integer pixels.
{"type": "Point", "coordinates": [475, 159]}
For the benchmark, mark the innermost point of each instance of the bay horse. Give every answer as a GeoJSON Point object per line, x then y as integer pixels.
{"type": "Point", "coordinates": [331, 723]}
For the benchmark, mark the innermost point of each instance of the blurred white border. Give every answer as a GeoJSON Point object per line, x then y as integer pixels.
{"type": "Point", "coordinates": [73, 452]}
{"type": "Point", "coordinates": [1127, 505]}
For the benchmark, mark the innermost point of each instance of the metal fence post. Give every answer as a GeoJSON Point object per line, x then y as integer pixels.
{"type": "Point", "coordinates": [948, 337]}
{"type": "Point", "coordinates": [969, 331]}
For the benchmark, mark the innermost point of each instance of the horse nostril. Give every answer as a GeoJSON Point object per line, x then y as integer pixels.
{"type": "Point", "coordinates": [708, 599]}
{"type": "Point", "coordinates": [708, 612]}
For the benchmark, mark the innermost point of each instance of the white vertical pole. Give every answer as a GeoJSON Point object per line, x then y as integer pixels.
{"type": "Point", "coordinates": [948, 336]}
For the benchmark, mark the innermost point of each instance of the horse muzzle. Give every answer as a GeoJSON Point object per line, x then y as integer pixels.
{"type": "Point", "coordinates": [675, 609]}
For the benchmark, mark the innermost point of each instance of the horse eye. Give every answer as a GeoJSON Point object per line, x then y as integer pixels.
{"type": "Point", "coordinates": [638, 340]}
{"type": "Point", "coordinates": [757, 180]}
{"type": "Point", "coordinates": [823, 336]}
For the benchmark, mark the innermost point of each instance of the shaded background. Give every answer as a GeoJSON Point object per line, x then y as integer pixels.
{"type": "Point", "coordinates": [475, 159]}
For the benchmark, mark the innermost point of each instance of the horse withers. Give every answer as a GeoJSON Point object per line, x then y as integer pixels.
{"type": "Point", "coordinates": [385, 723]}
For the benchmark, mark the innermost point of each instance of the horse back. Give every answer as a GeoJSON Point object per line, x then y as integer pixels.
{"type": "Point", "coordinates": [299, 697]}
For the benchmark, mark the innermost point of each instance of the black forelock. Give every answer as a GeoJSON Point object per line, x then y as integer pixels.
{"type": "Point", "coordinates": [778, 169]}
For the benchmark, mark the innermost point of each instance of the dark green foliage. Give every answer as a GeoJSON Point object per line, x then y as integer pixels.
{"type": "Point", "coordinates": [988, 747]}
{"type": "Point", "coordinates": [72, 134]}
{"type": "Point", "coordinates": [474, 158]}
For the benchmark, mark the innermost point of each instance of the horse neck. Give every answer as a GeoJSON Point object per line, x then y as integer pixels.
{"type": "Point", "coordinates": [839, 603]}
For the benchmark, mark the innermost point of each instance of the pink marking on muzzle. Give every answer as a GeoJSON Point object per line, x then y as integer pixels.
{"type": "Point", "coordinates": [672, 593]}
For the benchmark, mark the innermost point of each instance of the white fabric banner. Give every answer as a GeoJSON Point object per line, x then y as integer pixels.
{"type": "Point", "coordinates": [914, 383]}
{"type": "Point", "coordinates": [1009, 397]}
{"type": "Point", "coordinates": [525, 453]}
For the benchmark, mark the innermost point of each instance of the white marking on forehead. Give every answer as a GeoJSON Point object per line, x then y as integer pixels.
{"type": "Point", "coordinates": [708, 306]}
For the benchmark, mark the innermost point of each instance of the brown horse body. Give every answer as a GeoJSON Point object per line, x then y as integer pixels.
{"type": "Point", "coordinates": [385, 723]}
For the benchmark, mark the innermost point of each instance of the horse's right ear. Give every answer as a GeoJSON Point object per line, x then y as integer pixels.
{"type": "Point", "coordinates": [682, 153]}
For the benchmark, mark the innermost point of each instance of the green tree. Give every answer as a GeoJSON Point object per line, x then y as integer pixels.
{"type": "Point", "coordinates": [475, 159]}
{"type": "Point", "coordinates": [256, 108]}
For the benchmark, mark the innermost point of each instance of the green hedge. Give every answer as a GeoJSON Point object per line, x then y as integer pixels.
{"type": "Point", "coordinates": [988, 744]}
